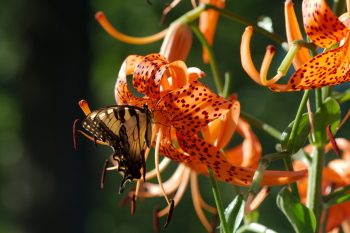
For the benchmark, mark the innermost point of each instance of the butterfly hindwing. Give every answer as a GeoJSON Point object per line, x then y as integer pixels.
{"type": "Point", "coordinates": [128, 130]}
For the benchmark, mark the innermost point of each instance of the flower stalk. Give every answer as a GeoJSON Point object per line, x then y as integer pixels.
{"type": "Point", "coordinates": [218, 202]}
{"type": "Point", "coordinates": [314, 197]}
{"type": "Point", "coordinates": [212, 60]}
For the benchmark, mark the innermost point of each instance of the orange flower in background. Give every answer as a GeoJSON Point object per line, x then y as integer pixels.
{"type": "Point", "coordinates": [336, 173]}
{"type": "Point", "coordinates": [207, 23]}
{"type": "Point", "coordinates": [329, 68]}
{"type": "Point", "coordinates": [180, 109]}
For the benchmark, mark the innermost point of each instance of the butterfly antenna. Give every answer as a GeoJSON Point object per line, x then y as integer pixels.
{"type": "Point", "coordinates": [75, 137]}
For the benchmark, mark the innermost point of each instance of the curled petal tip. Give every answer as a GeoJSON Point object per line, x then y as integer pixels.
{"type": "Point", "coordinates": [99, 15]}
{"type": "Point", "coordinates": [83, 104]}
{"type": "Point", "coordinates": [249, 28]}
{"type": "Point", "coordinates": [271, 49]}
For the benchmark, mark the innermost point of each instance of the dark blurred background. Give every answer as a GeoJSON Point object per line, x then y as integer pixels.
{"type": "Point", "coordinates": [54, 53]}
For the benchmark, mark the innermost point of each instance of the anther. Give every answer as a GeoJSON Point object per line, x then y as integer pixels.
{"type": "Point", "coordinates": [103, 173]}
{"type": "Point", "coordinates": [156, 221]}
{"type": "Point", "coordinates": [133, 204]}
{"type": "Point", "coordinates": [214, 223]}
{"type": "Point", "coordinates": [170, 213]}
{"type": "Point", "coordinates": [75, 138]}
{"type": "Point", "coordinates": [125, 200]}
{"type": "Point", "coordinates": [332, 140]}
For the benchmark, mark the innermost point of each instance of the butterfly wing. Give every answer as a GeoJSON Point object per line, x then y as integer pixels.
{"type": "Point", "coordinates": [128, 130]}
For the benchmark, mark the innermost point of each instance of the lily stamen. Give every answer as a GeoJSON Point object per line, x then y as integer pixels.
{"type": "Point", "coordinates": [170, 185]}
{"type": "Point", "coordinates": [179, 193]}
{"type": "Point", "coordinates": [162, 166]}
{"type": "Point", "coordinates": [197, 202]}
{"type": "Point", "coordinates": [170, 7]}
{"type": "Point", "coordinates": [137, 189]}
{"type": "Point", "coordinates": [159, 137]}
{"type": "Point", "coordinates": [103, 174]}
{"type": "Point", "coordinates": [254, 201]}
{"type": "Point", "coordinates": [113, 32]}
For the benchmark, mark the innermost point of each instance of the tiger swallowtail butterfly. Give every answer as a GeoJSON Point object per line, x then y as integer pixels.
{"type": "Point", "coordinates": [128, 130]}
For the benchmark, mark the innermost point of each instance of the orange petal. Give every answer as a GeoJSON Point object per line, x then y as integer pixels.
{"type": "Point", "coordinates": [342, 169]}
{"type": "Point", "coordinates": [192, 107]}
{"type": "Point", "coordinates": [293, 33]}
{"type": "Point", "coordinates": [337, 214]}
{"type": "Point", "coordinates": [122, 93]}
{"type": "Point", "coordinates": [321, 25]}
{"type": "Point", "coordinates": [248, 153]}
{"type": "Point", "coordinates": [207, 23]}
{"type": "Point", "coordinates": [152, 75]}
{"type": "Point", "coordinates": [220, 131]}
{"type": "Point", "coordinates": [326, 69]}
{"type": "Point", "coordinates": [148, 75]}
{"type": "Point", "coordinates": [205, 154]}
{"type": "Point", "coordinates": [330, 175]}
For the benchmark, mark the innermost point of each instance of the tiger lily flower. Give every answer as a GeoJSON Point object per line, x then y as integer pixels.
{"type": "Point", "coordinates": [336, 173]}
{"type": "Point", "coordinates": [246, 154]}
{"type": "Point", "coordinates": [207, 23]}
{"type": "Point", "coordinates": [325, 30]}
{"type": "Point", "coordinates": [180, 109]}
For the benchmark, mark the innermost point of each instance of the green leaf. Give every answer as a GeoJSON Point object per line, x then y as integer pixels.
{"type": "Point", "coordinates": [234, 212]}
{"type": "Point", "coordinates": [254, 228]}
{"type": "Point", "coordinates": [338, 200]}
{"type": "Point", "coordinates": [300, 137]}
{"type": "Point", "coordinates": [328, 114]}
{"type": "Point", "coordinates": [301, 218]}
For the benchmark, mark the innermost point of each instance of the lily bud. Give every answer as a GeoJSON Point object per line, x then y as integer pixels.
{"type": "Point", "coordinates": [177, 42]}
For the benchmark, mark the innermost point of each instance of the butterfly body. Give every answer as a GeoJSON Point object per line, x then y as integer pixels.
{"type": "Point", "coordinates": [128, 130]}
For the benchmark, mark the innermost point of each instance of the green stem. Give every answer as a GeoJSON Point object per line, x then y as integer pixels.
{"type": "Point", "coordinates": [326, 92]}
{"type": "Point", "coordinates": [289, 166]}
{"type": "Point", "coordinates": [325, 220]}
{"type": "Point", "coordinates": [298, 118]}
{"type": "Point", "coordinates": [337, 192]}
{"type": "Point", "coordinates": [288, 59]}
{"type": "Point", "coordinates": [218, 202]}
{"type": "Point", "coordinates": [191, 15]}
{"type": "Point", "coordinates": [314, 197]}
{"type": "Point", "coordinates": [263, 164]}
{"type": "Point", "coordinates": [232, 16]}
{"type": "Point", "coordinates": [273, 132]}
{"type": "Point", "coordinates": [227, 84]}
{"type": "Point", "coordinates": [212, 60]}
{"type": "Point", "coordinates": [318, 97]}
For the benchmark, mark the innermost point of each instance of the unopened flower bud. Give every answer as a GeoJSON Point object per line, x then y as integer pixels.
{"type": "Point", "coordinates": [177, 42]}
